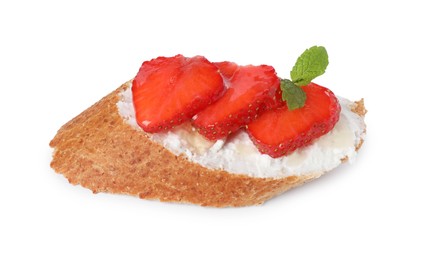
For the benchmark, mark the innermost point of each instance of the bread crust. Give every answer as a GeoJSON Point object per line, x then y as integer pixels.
{"type": "Point", "coordinates": [100, 151]}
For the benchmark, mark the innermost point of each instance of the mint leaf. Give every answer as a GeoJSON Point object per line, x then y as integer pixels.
{"type": "Point", "coordinates": [311, 64]}
{"type": "Point", "coordinates": [292, 94]}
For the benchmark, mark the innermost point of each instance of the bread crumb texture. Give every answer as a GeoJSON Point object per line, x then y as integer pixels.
{"type": "Point", "coordinates": [359, 108]}
{"type": "Point", "coordinates": [101, 152]}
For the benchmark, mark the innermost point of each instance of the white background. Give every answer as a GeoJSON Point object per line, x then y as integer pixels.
{"type": "Point", "coordinates": [57, 58]}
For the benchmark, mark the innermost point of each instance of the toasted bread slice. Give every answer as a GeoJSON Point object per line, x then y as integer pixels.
{"type": "Point", "coordinates": [100, 151]}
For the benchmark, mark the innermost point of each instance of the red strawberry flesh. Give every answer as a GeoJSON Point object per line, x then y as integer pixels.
{"type": "Point", "coordinates": [226, 68]}
{"type": "Point", "coordinates": [280, 131]}
{"type": "Point", "coordinates": [251, 90]}
{"type": "Point", "coordinates": [168, 91]}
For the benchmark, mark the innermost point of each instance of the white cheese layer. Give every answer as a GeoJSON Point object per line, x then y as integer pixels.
{"type": "Point", "coordinates": [237, 154]}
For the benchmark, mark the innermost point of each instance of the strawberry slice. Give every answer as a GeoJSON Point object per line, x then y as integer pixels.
{"type": "Point", "coordinates": [226, 68]}
{"type": "Point", "coordinates": [251, 90]}
{"type": "Point", "coordinates": [170, 91]}
{"type": "Point", "coordinates": [280, 131]}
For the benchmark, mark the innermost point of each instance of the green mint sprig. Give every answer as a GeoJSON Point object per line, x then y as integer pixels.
{"type": "Point", "coordinates": [311, 64]}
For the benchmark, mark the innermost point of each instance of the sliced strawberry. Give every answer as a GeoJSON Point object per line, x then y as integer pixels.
{"type": "Point", "coordinates": [251, 90]}
{"type": "Point", "coordinates": [278, 100]}
{"type": "Point", "coordinates": [280, 131]}
{"type": "Point", "coordinates": [226, 68]}
{"type": "Point", "coordinates": [169, 91]}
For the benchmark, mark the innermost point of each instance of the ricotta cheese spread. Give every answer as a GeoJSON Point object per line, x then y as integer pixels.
{"type": "Point", "coordinates": [238, 155]}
